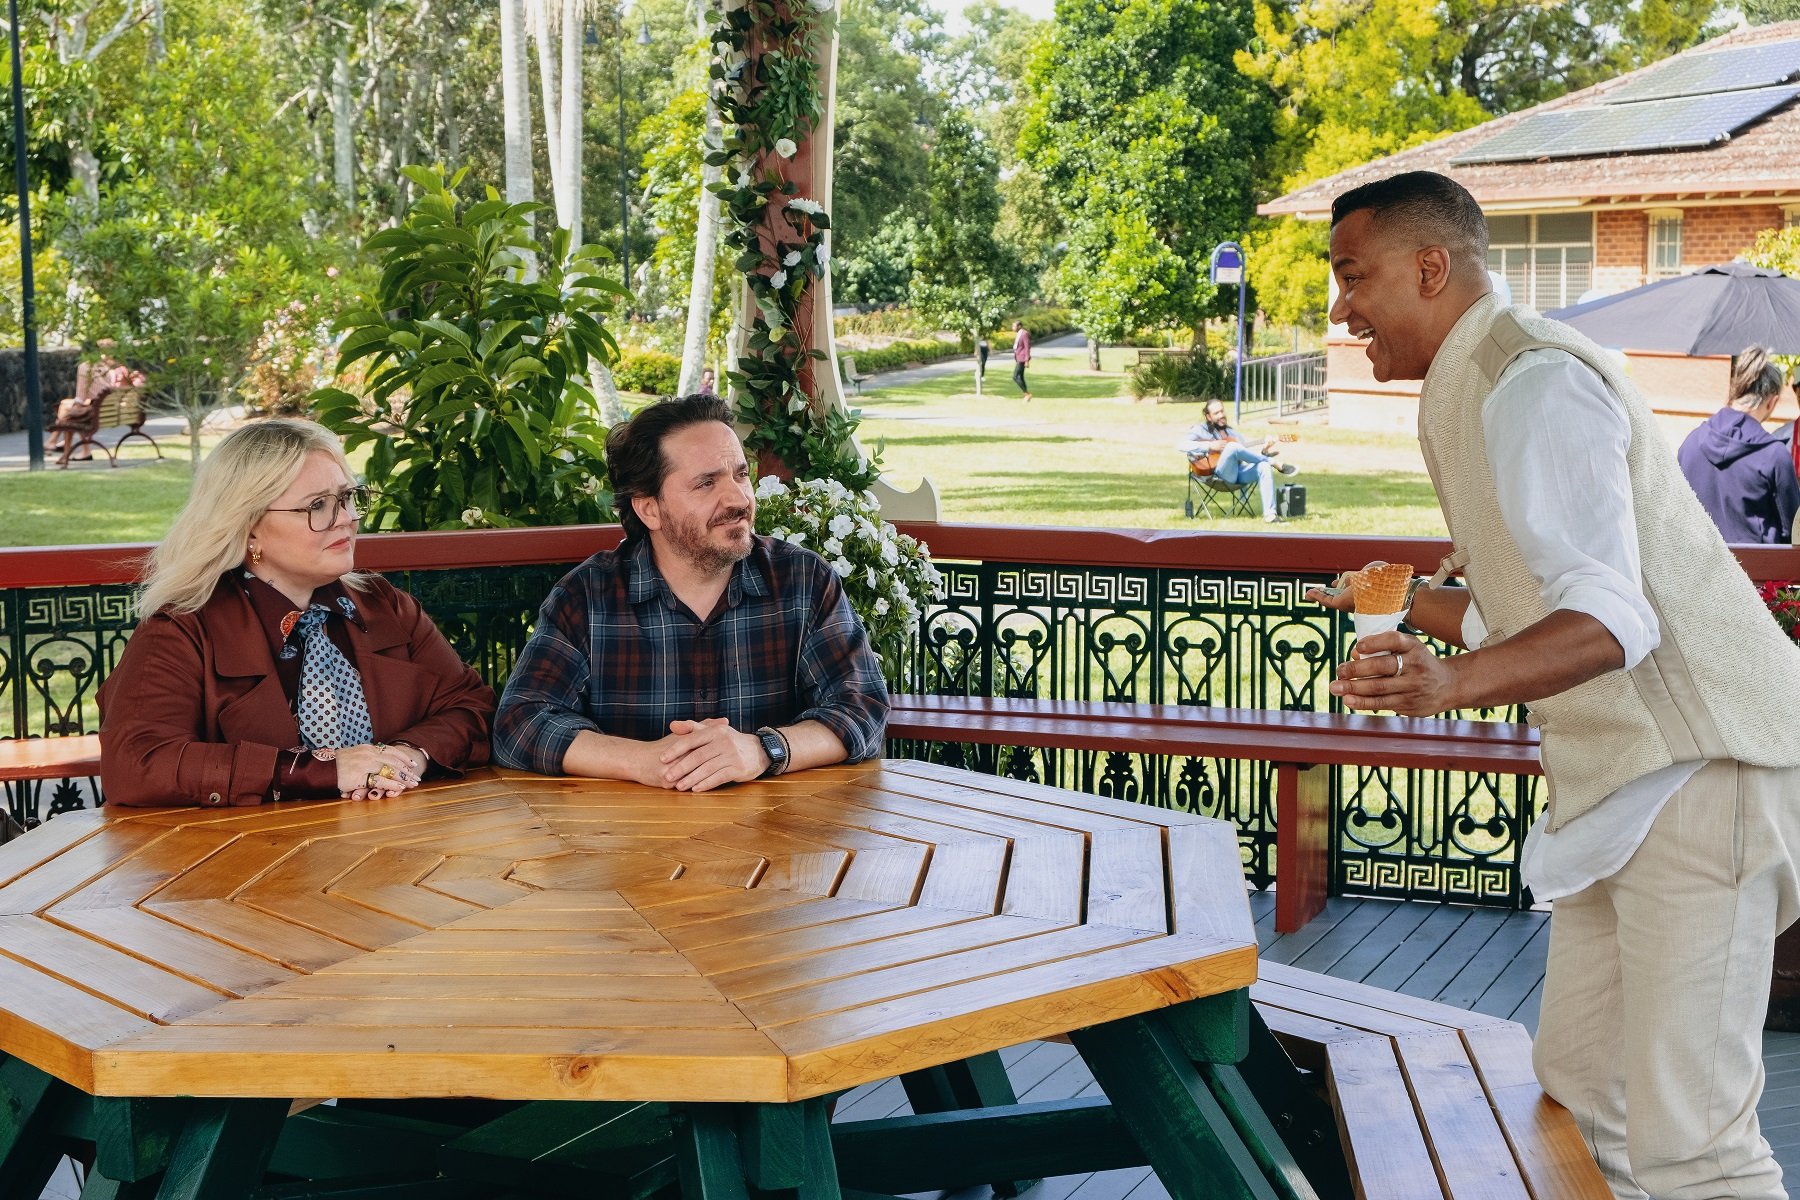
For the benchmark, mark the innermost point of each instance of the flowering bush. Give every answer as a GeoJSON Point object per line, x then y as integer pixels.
{"type": "Point", "coordinates": [1783, 599]}
{"type": "Point", "coordinates": [887, 574]}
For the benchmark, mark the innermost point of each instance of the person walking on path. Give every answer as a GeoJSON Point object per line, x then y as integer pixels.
{"type": "Point", "coordinates": [1743, 475]}
{"type": "Point", "coordinates": [1021, 352]}
{"type": "Point", "coordinates": [1600, 594]}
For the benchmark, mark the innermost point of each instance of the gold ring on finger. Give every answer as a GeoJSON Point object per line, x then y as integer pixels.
{"type": "Point", "coordinates": [386, 772]}
{"type": "Point", "coordinates": [369, 779]}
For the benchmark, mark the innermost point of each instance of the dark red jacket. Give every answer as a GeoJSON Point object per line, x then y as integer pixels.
{"type": "Point", "coordinates": [195, 712]}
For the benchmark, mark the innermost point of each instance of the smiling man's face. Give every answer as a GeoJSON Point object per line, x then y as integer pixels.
{"type": "Point", "coordinates": [1381, 295]}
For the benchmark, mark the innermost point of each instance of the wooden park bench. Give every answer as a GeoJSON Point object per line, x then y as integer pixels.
{"type": "Point", "coordinates": [1300, 745]}
{"type": "Point", "coordinates": [851, 376]}
{"type": "Point", "coordinates": [121, 407]}
{"type": "Point", "coordinates": [1149, 354]}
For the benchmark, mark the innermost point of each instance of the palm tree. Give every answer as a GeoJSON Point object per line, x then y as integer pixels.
{"type": "Point", "coordinates": [515, 87]}
{"type": "Point", "coordinates": [706, 254]}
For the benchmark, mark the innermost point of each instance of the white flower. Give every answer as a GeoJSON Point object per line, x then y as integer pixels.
{"type": "Point", "coordinates": [842, 566]}
{"type": "Point", "coordinates": [811, 208]}
{"type": "Point", "coordinates": [786, 148]}
{"type": "Point", "coordinates": [867, 528]}
{"type": "Point", "coordinates": [834, 547]}
{"type": "Point", "coordinates": [881, 606]}
{"type": "Point", "coordinates": [842, 524]}
{"type": "Point", "coordinates": [822, 253]}
{"type": "Point", "coordinates": [780, 535]}
{"type": "Point", "coordinates": [778, 279]}
{"type": "Point", "coordinates": [471, 517]}
{"type": "Point", "coordinates": [797, 538]}
{"type": "Point", "coordinates": [792, 259]}
{"type": "Point", "coordinates": [874, 579]}
{"type": "Point", "coordinates": [822, 6]}
{"type": "Point", "coordinates": [769, 485]}
{"type": "Point", "coordinates": [890, 554]}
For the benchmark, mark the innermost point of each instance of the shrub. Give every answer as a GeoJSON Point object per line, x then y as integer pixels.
{"type": "Point", "coordinates": [649, 371]}
{"type": "Point", "coordinates": [893, 321]}
{"type": "Point", "coordinates": [901, 354]}
{"type": "Point", "coordinates": [474, 393]}
{"type": "Point", "coordinates": [1041, 322]}
{"type": "Point", "coordinates": [1179, 377]}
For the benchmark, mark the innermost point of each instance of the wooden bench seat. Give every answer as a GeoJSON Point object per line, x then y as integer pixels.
{"type": "Point", "coordinates": [1431, 1102]}
{"type": "Point", "coordinates": [24, 759]}
{"type": "Point", "coordinates": [1300, 745]}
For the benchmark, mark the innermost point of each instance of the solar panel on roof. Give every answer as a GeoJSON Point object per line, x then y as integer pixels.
{"type": "Point", "coordinates": [1736, 69]}
{"type": "Point", "coordinates": [1680, 123]}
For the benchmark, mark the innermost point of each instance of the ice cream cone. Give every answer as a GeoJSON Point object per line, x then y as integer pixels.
{"type": "Point", "coordinates": [1381, 588]}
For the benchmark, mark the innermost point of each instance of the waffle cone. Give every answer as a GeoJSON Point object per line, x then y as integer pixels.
{"type": "Point", "coordinates": [1381, 587]}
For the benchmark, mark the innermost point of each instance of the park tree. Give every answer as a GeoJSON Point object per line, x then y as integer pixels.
{"type": "Point", "coordinates": [182, 263]}
{"type": "Point", "coordinates": [885, 111]}
{"type": "Point", "coordinates": [1767, 12]}
{"type": "Point", "coordinates": [963, 276]}
{"type": "Point", "coordinates": [1148, 139]}
{"type": "Point", "coordinates": [1354, 84]}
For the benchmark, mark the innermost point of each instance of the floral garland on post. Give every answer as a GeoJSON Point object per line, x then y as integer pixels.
{"type": "Point", "coordinates": [765, 85]}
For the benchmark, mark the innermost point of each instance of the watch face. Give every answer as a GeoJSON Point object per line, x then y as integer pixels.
{"type": "Point", "coordinates": [772, 745]}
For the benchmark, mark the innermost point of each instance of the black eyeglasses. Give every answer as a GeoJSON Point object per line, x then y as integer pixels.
{"type": "Point", "coordinates": [322, 513]}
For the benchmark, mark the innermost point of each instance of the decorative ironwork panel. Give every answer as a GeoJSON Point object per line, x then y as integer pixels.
{"type": "Point", "coordinates": [1237, 639]}
{"type": "Point", "coordinates": [1241, 640]}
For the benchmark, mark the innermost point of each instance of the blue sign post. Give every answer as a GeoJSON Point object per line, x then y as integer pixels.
{"type": "Point", "coordinates": [1228, 267]}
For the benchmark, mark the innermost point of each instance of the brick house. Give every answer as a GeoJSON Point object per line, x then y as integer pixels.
{"type": "Point", "coordinates": [1704, 171]}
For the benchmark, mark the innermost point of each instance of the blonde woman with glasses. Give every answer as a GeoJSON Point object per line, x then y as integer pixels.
{"type": "Point", "coordinates": [265, 666]}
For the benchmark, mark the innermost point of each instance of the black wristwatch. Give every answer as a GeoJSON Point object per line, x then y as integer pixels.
{"type": "Point", "coordinates": [775, 746]}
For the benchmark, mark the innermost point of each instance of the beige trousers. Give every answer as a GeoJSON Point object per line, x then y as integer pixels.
{"type": "Point", "coordinates": [1657, 985]}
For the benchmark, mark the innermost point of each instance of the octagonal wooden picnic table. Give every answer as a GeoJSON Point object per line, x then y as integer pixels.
{"type": "Point", "coordinates": [680, 982]}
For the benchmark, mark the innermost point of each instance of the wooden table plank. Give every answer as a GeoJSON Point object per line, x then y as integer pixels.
{"type": "Point", "coordinates": [387, 881]}
{"type": "Point", "coordinates": [76, 866]}
{"type": "Point", "coordinates": [1126, 884]}
{"type": "Point", "coordinates": [204, 960]}
{"type": "Point", "coordinates": [1387, 1156]}
{"type": "Point", "coordinates": [476, 879]}
{"type": "Point", "coordinates": [816, 939]}
{"type": "Point", "coordinates": [255, 932]}
{"type": "Point", "coordinates": [131, 983]}
{"type": "Point", "coordinates": [1472, 1155]}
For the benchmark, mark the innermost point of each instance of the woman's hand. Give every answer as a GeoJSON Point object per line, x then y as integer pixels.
{"type": "Point", "coordinates": [373, 772]}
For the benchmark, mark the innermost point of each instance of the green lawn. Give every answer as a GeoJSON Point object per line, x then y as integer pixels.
{"type": "Point", "coordinates": [1081, 453]}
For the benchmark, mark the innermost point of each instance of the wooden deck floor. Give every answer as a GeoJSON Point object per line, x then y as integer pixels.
{"type": "Point", "coordinates": [1480, 959]}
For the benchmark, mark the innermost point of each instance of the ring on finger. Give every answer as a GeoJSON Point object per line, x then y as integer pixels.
{"type": "Point", "coordinates": [386, 771]}
{"type": "Point", "coordinates": [1399, 664]}
{"type": "Point", "coordinates": [369, 779]}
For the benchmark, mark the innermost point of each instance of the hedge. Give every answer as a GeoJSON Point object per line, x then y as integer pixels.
{"type": "Point", "coordinates": [649, 371]}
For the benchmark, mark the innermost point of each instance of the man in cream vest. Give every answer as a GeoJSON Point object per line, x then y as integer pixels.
{"type": "Point", "coordinates": [1600, 594]}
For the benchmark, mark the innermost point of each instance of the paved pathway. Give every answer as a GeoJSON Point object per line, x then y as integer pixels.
{"type": "Point", "coordinates": [999, 372]}
{"type": "Point", "coordinates": [170, 433]}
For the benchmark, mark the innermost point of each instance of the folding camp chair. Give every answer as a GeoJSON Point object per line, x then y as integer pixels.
{"type": "Point", "coordinates": [1209, 494]}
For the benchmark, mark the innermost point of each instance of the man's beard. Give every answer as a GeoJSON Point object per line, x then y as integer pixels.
{"type": "Point", "coordinates": [693, 542]}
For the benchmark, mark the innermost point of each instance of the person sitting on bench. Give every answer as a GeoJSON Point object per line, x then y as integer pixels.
{"type": "Point", "coordinates": [1237, 461]}
{"type": "Point", "coordinates": [78, 417]}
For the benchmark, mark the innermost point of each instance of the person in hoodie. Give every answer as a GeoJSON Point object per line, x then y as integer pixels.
{"type": "Point", "coordinates": [1744, 475]}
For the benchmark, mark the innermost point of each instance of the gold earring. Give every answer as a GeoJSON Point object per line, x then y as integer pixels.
{"type": "Point", "coordinates": [255, 555]}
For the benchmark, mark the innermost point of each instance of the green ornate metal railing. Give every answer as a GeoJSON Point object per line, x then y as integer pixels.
{"type": "Point", "coordinates": [1175, 618]}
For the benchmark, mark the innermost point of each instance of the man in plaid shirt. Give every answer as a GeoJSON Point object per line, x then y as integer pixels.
{"type": "Point", "coordinates": [698, 653]}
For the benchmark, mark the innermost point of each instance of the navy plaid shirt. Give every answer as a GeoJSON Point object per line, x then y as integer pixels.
{"type": "Point", "coordinates": [614, 651]}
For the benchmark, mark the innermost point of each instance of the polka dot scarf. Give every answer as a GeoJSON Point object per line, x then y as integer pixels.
{"type": "Point", "coordinates": [333, 711]}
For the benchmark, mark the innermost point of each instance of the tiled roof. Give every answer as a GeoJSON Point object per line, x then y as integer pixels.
{"type": "Point", "coordinates": [1761, 160]}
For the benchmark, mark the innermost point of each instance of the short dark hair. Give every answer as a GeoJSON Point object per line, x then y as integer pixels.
{"type": "Point", "coordinates": [634, 453]}
{"type": "Point", "coordinates": [1431, 205]}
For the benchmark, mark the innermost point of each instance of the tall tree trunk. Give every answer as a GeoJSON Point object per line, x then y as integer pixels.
{"type": "Point", "coordinates": [569, 205]}
{"type": "Point", "coordinates": [706, 256]}
{"type": "Point", "coordinates": [538, 19]}
{"type": "Point", "coordinates": [515, 87]}
{"type": "Point", "coordinates": [975, 340]}
{"type": "Point", "coordinates": [158, 42]}
{"type": "Point", "coordinates": [343, 129]}
{"type": "Point", "coordinates": [606, 390]}
{"type": "Point", "coordinates": [1093, 354]}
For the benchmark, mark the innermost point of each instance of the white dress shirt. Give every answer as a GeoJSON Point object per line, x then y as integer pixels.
{"type": "Point", "coordinates": [1556, 441]}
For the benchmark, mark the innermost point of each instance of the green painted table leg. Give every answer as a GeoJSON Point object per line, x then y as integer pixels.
{"type": "Point", "coordinates": [777, 1151]}
{"type": "Point", "coordinates": [1145, 1070]}
{"type": "Point", "coordinates": [29, 1147]}
{"type": "Point", "coordinates": [978, 1082]}
{"type": "Point", "coordinates": [223, 1149]}
{"type": "Point", "coordinates": [707, 1157]}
